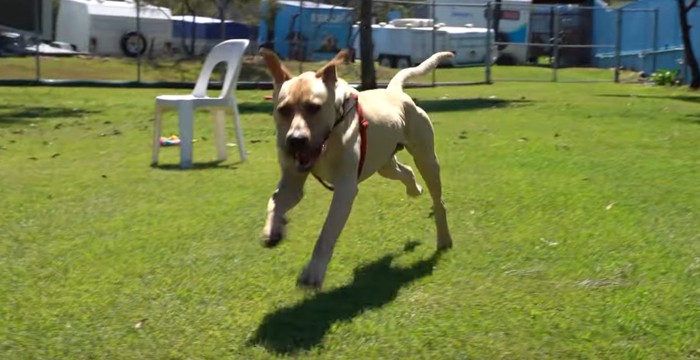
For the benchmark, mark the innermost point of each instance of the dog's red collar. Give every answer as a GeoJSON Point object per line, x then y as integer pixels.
{"type": "Point", "coordinates": [363, 135]}
{"type": "Point", "coordinates": [363, 141]}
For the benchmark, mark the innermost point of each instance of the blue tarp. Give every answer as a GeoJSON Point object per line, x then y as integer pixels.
{"type": "Point", "coordinates": [645, 46]}
{"type": "Point", "coordinates": [307, 30]}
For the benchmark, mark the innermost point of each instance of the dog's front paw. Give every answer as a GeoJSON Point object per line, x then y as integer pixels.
{"type": "Point", "coordinates": [416, 191]}
{"type": "Point", "coordinates": [273, 234]}
{"type": "Point", "coordinates": [444, 243]}
{"type": "Point", "coordinates": [272, 240]}
{"type": "Point", "coordinates": [310, 279]}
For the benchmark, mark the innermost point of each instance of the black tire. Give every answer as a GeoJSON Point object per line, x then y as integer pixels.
{"type": "Point", "coordinates": [506, 59]}
{"type": "Point", "coordinates": [133, 44]}
{"type": "Point", "coordinates": [403, 62]}
{"type": "Point", "coordinates": [387, 61]}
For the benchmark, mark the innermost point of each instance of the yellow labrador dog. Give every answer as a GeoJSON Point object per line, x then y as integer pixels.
{"type": "Point", "coordinates": [341, 136]}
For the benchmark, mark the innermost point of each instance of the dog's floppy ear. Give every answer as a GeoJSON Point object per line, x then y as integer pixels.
{"type": "Point", "coordinates": [279, 73]}
{"type": "Point", "coordinates": [328, 71]}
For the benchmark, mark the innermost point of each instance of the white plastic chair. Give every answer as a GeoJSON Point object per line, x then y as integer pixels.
{"type": "Point", "coordinates": [231, 53]}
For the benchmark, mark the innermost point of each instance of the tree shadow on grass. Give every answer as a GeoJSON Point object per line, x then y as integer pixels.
{"type": "Point", "coordinates": [18, 114]}
{"type": "Point", "coordinates": [302, 326]}
{"type": "Point", "coordinates": [467, 104]}
{"type": "Point", "coordinates": [687, 98]}
{"type": "Point", "coordinates": [210, 165]}
{"type": "Point", "coordinates": [248, 107]}
{"type": "Point", "coordinates": [691, 119]}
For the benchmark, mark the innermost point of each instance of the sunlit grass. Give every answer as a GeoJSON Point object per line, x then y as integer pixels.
{"type": "Point", "coordinates": [574, 209]}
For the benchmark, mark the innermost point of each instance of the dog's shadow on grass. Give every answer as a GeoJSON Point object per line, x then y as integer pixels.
{"type": "Point", "coordinates": [468, 104]}
{"type": "Point", "coordinates": [302, 326]}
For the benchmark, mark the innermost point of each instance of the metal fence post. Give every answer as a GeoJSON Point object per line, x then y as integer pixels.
{"type": "Point", "coordinates": [434, 33]}
{"type": "Point", "coordinates": [37, 40]}
{"type": "Point", "coordinates": [654, 38]}
{"type": "Point", "coordinates": [555, 50]}
{"type": "Point", "coordinates": [138, 30]}
{"type": "Point", "coordinates": [298, 38]}
{"type": "Point", "coordinates": [489, 25]}
{"type": "Point", "coordinates": [618, 45]}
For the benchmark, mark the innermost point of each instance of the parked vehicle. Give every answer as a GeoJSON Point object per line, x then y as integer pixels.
{"type": "Point", "coordinates": [513, 26]}
{"type": "Point", "coordinates": [407, 42]}
{"type": "Point", "coordinates": [12, 44]}
{"type": "Point", "coordinates": [109, 27]}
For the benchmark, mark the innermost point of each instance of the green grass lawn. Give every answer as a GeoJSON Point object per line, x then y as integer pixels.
{"type": "Point", "coordinates": [575, 211]}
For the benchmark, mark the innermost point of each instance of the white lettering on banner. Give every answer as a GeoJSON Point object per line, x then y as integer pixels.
{"type": "Point", "coordinates": [461, 14]}
{"type": "Point", "coordinates": [327, 18]}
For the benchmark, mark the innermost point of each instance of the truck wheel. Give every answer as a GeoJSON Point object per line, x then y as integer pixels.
{"type": "Point", "coordinates": [387, 61]}
{"type": "Point", "coordinates": [403, 62]}
{"type": "Point", "coordinates": [506, 59]}
{"type": "Point", "coordinates": [133, 44]}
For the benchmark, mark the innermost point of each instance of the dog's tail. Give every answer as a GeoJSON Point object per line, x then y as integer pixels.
{"type": "Point", "coordinates": [396, 83]}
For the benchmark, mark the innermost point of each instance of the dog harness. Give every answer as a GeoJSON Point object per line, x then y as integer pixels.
{"type": "Point", "coordinates": [363, 141]}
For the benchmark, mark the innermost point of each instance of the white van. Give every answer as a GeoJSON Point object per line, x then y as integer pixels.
{"type": "Point", "coordinates": [407, 42]}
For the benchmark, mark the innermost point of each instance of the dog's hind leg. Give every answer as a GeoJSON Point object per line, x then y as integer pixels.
{"type": "Point", "coordinates": [290, 191]}
{"type": "Point", "coordinates": [395, 170]}
{"type": "Point", "coordinates": [421, 146]}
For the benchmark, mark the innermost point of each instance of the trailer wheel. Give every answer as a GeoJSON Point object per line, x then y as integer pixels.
{"type": "Point", "coordinates": [506, 59]}
{"type": "Point", "coordinates": [403, 62]}
{"type": "Point", "coordinates": [387, 61]}
{"type": "Point", "coordinates": [133, 44]}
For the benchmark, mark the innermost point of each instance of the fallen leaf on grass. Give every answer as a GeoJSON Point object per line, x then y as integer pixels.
{"type": "Point", "coordinates": [610, 206]}
{"type": "Point", "coordinates": [140, 324]}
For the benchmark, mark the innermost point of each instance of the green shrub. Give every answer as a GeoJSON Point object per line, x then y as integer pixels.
{"type": "Point", "coordinates": [663, 77]}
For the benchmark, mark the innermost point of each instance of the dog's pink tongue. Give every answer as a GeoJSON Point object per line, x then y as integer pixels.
{"type": "Point", "coordinates": [304, 160]}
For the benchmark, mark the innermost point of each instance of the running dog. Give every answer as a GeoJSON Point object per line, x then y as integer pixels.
{"type": "Point", "coordinates": [342, 136]}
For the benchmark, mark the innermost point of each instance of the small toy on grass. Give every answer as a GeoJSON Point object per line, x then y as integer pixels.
{"type": "Point", "coordinates": [172, 140]}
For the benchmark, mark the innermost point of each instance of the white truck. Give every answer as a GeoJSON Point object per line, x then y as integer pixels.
{"type": "Point", "coordinates": [513, 27]}
{"type": "Point", "coordinates": [407, 42]}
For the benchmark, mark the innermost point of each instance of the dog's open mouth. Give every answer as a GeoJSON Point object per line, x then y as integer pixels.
{"type": "Point", "coordinates": [306, 159]}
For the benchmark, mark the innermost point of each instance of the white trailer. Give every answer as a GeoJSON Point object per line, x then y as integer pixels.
{"type": "Point", "coordinates": [108, 28]}
{"type": "Point", "coordinates": [407, 42]}
{"type": "Point", "coordinates": [513, 27]}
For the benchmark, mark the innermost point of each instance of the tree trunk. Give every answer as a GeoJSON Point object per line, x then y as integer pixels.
{"type": "Point", "coordinates": [369, 78]}
{"type": "Point", "coordinates": [690, 59]}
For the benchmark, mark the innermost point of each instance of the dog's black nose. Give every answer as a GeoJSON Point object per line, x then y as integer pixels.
{"type": "Point", "coordinates": [297, 142]}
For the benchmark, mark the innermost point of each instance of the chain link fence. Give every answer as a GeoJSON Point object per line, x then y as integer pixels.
{"type": "Point", "coordinates": [512, 41]}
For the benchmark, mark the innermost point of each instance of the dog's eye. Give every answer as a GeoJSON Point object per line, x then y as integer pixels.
{"type": "Point", "coordinates": [312, 108]}
{"type": "Point", "coordinates": [285, 111]}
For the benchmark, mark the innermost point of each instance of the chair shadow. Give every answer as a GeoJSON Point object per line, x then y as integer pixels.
{"type": "Point", "coordinates": [467, 104]}
{"type": "Point", "coordinates": [215, 165]}
{"type": "Point", "coordinates": [302, 326]}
